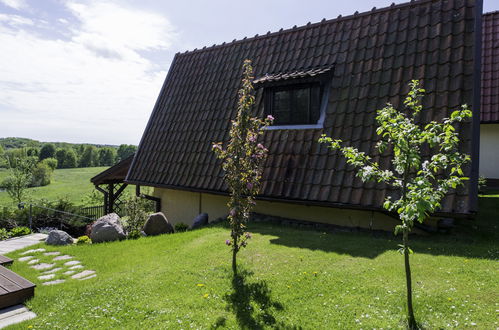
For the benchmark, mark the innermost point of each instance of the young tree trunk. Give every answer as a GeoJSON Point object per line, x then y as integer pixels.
{"type": "Point", "coordinates": [234, 255]}
{"type": "Point", "coordinates": [234, 264]}
{"type": "Point", "coordinates": [410, 311]}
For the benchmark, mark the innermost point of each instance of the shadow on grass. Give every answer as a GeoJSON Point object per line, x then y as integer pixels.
{"type": "Point", "coordinates": [471, 238]}
{"type": "Point", "coordinates": [252, 304]}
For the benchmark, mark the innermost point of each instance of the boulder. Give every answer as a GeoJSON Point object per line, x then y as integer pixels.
{"type": "Point", "coordinates": [200, 221]}
{"type": "Point", "coordinates": [157, 224]}
{"type": "Point", "coordinates": [107, 229]}
{"type": "Point", "coordinates": [58, 237]}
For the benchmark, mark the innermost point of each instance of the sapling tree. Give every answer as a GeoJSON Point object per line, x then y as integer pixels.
{"type": "Point", "coordinates": [242, 163]}
{"type": "Point", "coordinates": [19, 179]}
{"type": "Point", "coordinates": [423, 180]}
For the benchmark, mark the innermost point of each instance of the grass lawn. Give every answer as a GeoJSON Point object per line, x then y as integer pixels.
{"type": "Point", "coordinates": [72, 183]}
{"type": "Point", "coordinates": [290, 278]}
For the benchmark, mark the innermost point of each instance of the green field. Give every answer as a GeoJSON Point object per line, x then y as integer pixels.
{"type": "Point", "coordinates": [72, 183]}
{"type": "Point", "coordinates": [290, 279]}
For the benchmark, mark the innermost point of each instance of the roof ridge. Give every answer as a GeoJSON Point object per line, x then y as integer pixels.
{"type": "Point", "coordinates": [491, 13]}
{"type": "Point", "coordinates": [295, 28]}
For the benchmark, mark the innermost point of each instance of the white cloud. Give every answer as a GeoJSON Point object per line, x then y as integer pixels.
{"type": "Point", "coordinates": [110, 28]}
{"type": "Point", "coordinates": [16, 4]}
{"type": "Point", "coordinates": [15, 20]}
{"type": "Point", "coordinates": [72, 90]}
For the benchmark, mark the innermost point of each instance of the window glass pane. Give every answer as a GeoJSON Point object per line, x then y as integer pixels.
{"type": "Point", "coordinates": [281, 107]}
{"type": "Point", "coordinates": [282, 117]}
{"type": "Point", "coordinates": [315, 104]}
{"type": "Point", "coordinates": [294, 105]}
{"type": "Point", "coordinates": [300, 106]}
{"type": "Point", "coordinates": [281, 100]}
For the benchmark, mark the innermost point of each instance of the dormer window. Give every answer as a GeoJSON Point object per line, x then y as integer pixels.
{"type": "Point", "coordinates": [298, 99]}
{"type": "Point", "coordinates": [294, 104]}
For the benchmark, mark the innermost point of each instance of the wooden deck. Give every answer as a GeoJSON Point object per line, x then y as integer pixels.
{"type": "Point", "coordinates": [5, 261]}
{"type": "Point", "coordinates": [14, 289]}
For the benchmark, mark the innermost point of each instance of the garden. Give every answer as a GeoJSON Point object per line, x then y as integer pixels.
{"type": "Point", "coordinates": [289, 278]}
{"type": "Point", "coordinates": [243, 272]}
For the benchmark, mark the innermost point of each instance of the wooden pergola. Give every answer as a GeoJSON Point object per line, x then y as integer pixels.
{"type": "Point", "coordinates": [111, 183]}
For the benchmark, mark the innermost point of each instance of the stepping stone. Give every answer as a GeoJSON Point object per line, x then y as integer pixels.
{"type": "Point", "coordinates": [32, 251]}
{"type": "Point", "coordinates": [72, 263]}
{"type": "Point", "coordinates": [76, 267]}
{"type": "Point", "coordinates": [42, 266]}
{"type": "Point", "coordinates": [65, 257]}
{"type": "Point", "coordinates": [69, 272]}
{"type": "Point", "coordinates": [55, 270]}
{"type": "Point", "coordinates": [55, 253]}
{"type": "Point", "coordinates": [54, 282]}
{"type": "Point", "coordinates": [46, 277]}
{"type": "Point", "coordinates": [86, 278]}
{"type": "Point", "coordinates": [25, 258]}
{"type": "Point", "coordinates": [84, 273]}
{"type": "Point", "coordinates": [34, 261]}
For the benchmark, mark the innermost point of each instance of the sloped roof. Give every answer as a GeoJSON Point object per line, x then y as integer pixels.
{"type": "Point", "coordinates": [374, 55]}
{"type": "Point", "coordinates": [115, 174]}
{"type": "Point", "coordinates": [490, 68]}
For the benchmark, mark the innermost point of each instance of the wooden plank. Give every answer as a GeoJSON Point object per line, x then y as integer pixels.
{"type": "Point", "coordinates": [8, 285]}
{"type": "Point", "coordinates": [21, 281]}
{"type": "Point", "coordinates": [5, 261]}
{"type": "Point", "coordinates": [14, 289]}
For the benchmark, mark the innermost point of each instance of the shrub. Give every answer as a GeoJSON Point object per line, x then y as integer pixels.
{"type": "Point", "coordinates": [19, 231]}
{"type": "Point", "coordinates": [84, 240]}
{"type": "Point", "coordinates": [4, 234]}
{"type": "Point", "coordinates": [134, 234]}
{"type": "Point", "coordinates": [7, 217]}
{"type": "Point", "coordinates": [42, 174]}
{"type": "Point", "coordinates": [135, 208]}
{"type": "Point", "coordinates": [50, 162]}
{"type": "Point", "coordinates": [93, 198]}
{"type": "Point", "coordinates": [181, 227]}
{"type": "Point", "coordinates": [482, 184]}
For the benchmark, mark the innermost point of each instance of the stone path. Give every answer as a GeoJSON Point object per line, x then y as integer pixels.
{"type": "Point", "coordinates": [19, 243]}
{"type": "Point", "coordinates": [54, 282]}
{"type": "Point", "coordinates": [83, 274]}
{"type": "Point", "coordinates": [52, 271]}
{"type": "Point", "coordinates": [15, 314]}
{"type": "Point", "coordinates": [42, 266]}
{"type": "Point", "coordinates": [65, 257]}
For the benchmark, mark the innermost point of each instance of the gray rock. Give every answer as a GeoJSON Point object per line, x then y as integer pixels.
{"type": "Point", "coordinates": [107, 229]}
{"type": "Point", "coordinates": [58, 237]}
{"type": "Point", "coordinates": [157, 224]}
{"type": "Point", "coordinates": [200, 221]}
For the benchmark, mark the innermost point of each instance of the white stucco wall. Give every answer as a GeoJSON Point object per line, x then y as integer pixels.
{"type": "Point", "coordinates": [184, 206]}
{"type": "Point", "coordinates": [489, 151]}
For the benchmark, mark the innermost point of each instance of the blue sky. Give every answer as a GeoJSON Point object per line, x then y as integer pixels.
{"type": "Point", "coordinates": [90, 71]}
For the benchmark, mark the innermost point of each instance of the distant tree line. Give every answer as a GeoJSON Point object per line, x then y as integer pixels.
{"type": "Point", "coordinates": [63, 155]}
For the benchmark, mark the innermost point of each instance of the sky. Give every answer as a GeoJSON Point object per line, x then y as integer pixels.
{"type": "Point", "coordinates": [88, 71]}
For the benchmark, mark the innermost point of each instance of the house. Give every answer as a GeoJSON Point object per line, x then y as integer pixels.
{"type": "Point", "coordinates": [323, 78]}
{"type": "Point", "coordinates": [489, 124]}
